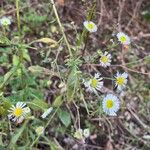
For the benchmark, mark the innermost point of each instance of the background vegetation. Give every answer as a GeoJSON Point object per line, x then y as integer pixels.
{"type": "Point", "coordinates": [46, 54]}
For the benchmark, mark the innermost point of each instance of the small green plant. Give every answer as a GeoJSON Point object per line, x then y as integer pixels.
{"type": "Point", "coordinates": [67, 89]}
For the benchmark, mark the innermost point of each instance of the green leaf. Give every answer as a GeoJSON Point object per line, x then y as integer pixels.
{"type": "Point", "coordinates": [58, 101]}
{"type": "Point", "coordinates": [147, 59]}
{"type": "Point", "coordinates": [2, 111]}
{"type": "Point", "coordinates": [72, 83]}
{"type": "Point", "coordinates": [65, 118]}
{"type": "Point", "coordinates": [38, 104]}
{"type": "Point", "coordinates": [26, 55]}
{"type": "Point", "coordinates": [146, 15]}
{"type": "Point", "coordinates": [4, 107]}
{"type": "Point", "coordinates": [7, 76]}
{"type": "Point", "coordinates": [46, 40]}
{"type": "Point", "coordinates": [41, 70]}
{"type": "Point", "coordinates": [4, 41]}
{"type": "Point", "coordinates": [15, 60]}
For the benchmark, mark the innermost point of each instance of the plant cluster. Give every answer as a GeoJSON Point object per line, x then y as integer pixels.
{"type": "Point", "coordinates": [23, 108]}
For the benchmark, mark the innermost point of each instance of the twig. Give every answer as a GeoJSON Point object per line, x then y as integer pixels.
{"type": "Point", "coordinates": [61, 27]}
{"type": "Point", "coordinates": [131, 70]}
{"type": "Point", "coordinates": [101, 12]}
{"type": "Point", "coordinates": [121, 6]}
{"type": "Point", "coordinates": [134, 13]}
{"type": "Point", "coordinates": [14, 10]}
{"type": "Point", "coordinates": [137, 119]}
{"type": "Point", "coordinates": [78, 115]}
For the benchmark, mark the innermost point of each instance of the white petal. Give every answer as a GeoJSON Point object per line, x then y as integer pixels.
{"type": "Point", "coordinates": [97, 75]}
{"type": "Point", "coordinates": [125, 75]}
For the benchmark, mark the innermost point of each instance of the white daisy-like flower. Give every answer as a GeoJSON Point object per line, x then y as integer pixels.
{"type": "Point", "coordinates": [110, 104]}
{"type": "Point", "coordinates": [79, 134]}
{"type": "Point", "coordinates": [123, 38]}
{"type": "Point", "coordinates": [39, 130]}
{"type": "Point", "coordinates": [27, 110]}
{"type": "Point", "coordinates": [5, 21]}
{"type": "Point", "coordinates": [86, 133]}
{"type": "Point", "coordinates": [18, 112]}
{"type": "Point", "coordinates": [94, 83]}
{"type": "Point", "coordinates": [47, 112]}
{"type": "Point", "coordinates": [121, 80]}
{"type": "Point", "coordinates": [105, 59]}
{"type": "Point", "coordinates": [90, 26]}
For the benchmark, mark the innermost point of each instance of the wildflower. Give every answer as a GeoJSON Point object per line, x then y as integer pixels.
{"type": "Point", "coordinates": [79, 134]}
{"type": "Point", "coordinates": [39, 130]}
{"type": "Point", "coordinates": [110, 104]}
{"type": "Point", "coordinates": [27, 110]}
{"type": "Point", "coordinates": [121, 80]}
{"type": "Point", "coordinates": [105, 59]}
{"type": "Point", "coordinates": [86, 133]}
{"type": "Point", "coordinates": [47, 112]}
{"type": "Point", "coordinates": [5, 21]}
{"type": "Point", "coordinates": [82, 134]}
{"type": "Point", "coordinates": [123, 38]}
{"type": "Point", "coordinates": [95, 83]}
{"type": "Point", "coordinates": [90, 26]}
{"type": "Point", "coordinates": [18, 112]}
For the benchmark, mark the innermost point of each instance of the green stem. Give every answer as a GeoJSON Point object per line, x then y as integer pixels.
{"type": "Point", "coordinates": [18, 16]}
{"type": "Point", "coordinates": [34, 142]}
{"type": "Point", "coordinates": [51, 117]}
{"type": "Point", "coordinates": [61, 27]}
{"type": "Point", "coordinates": [19, 30]}
{"type": "Point", "coordinates": [91, 12]}
{"type": "Point", "coordinates": [85, 34]}
{"type": "Point", "coordinates": [4, 30]}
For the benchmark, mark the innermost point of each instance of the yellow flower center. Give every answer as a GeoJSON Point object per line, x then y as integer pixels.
{"type": "Point", "coordinates": [109, 103]}
{"type": "Point", "coordinates": [104, 59]}
{"type": "Point", "coordinates": [120, 80]}
{"type": "Point", "coordinates": [94, 83]}
{"type": "Point", "coordinates": [18, 112]}
{"type": "Point", "coordinates": [90, 26]}
{"type": "Point", "coordinates": [122, 38]}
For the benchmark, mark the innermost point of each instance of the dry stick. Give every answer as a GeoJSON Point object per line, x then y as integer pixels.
{"type": "Point", "coordinates": [121, 5]}
{"type": "Point", "coordinates": [58, 145]}
{"type": "Point", "coordinates": [101, 12]}
{"type": "Point", "coordinates": [72, 116]}
{"type": "Point", "coordinates": [132, 134]}
{"type": "Point", "coordinates": [131, 70]}
{"type": "Point", "coordinates": [136, 19]}
{"type": "Point", "coordinates": [135, 71]}
{"type": "Point", "coordinates": [18, 17]}
{"type": "Point", "coordinates": [78, 115]}
{"type": "Point", "coordinates": [141, 35]}
{"type": "Point", "coordinates": [14, 10]}
{"type": "Point", "coordinates": [61, 27]}
{"type": "Point", "coordinates": [138, 119]}
{"type": "Point", "coordinates": [92, 146]}
{"type": "Point", "coordinates": [134, 13]}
